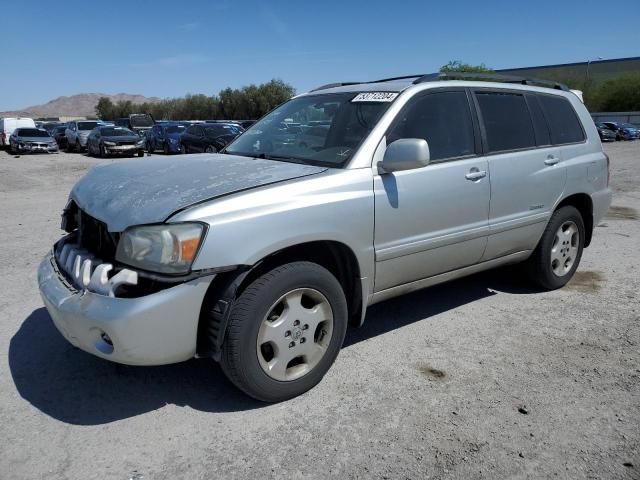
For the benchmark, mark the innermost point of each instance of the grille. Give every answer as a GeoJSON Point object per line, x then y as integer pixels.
{"type": "Point", "coordinates": [126, 143]}
{"type": "Point", "coordinates": [94, 236]}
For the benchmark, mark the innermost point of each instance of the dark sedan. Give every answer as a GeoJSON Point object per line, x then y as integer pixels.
{"type": "Point", "coordinates": [624, 131]}
{"type": "Point", "coordinates": [208, 137]}
{"type": "Point", "coordinates": [60, 136]}
{"type": "Point", "coordinates": [165, 137]}
{"type": "Point", "coordinates": [606, 134]}
{"type": "Point", "coordinates": [111, 140]}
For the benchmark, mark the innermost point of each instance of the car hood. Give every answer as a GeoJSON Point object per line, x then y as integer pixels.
{"type": "Point", "coordinates": [128, 138]}
{"type": "Point", "coordinates": [136, 192]}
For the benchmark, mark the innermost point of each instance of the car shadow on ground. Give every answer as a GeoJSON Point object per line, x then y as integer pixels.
{"type": "Point", "coordinates": [77, 388]}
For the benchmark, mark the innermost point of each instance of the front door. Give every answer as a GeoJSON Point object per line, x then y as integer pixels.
{"type": "Point", "coordinates": [433, 219]}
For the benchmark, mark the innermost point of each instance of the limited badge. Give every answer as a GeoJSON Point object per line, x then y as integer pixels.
{"type": "Point", "coordinates": [375, 97]}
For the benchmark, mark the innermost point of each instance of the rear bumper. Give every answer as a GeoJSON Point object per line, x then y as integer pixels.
{"type": "Point", "coordinates": [156, 329]}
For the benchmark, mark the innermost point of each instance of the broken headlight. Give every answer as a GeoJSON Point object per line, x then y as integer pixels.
{"type": "Point", "coordinates": [170, 248]}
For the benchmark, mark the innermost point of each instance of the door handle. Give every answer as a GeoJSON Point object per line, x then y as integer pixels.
{"type": "Point", "coordinates": [475, 174]}
{"type": "Point", "coordinates": [551, 160]}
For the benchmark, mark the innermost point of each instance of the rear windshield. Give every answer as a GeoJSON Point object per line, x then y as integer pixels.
{"type": "Point", "coordinates": [141, 120]}
{"type": "Point", "coordinates": [31, 132]}
{"type": "Point", "coordinates": [87, 125]}
{"type": "Point", "coordinates": [176, 129]}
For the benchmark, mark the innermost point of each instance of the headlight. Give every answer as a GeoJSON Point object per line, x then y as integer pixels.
{"type": "Point", "coordinates": [161, 248]}
{"type": "Point", "coordinates": [110, 144]}
{"type": "Point", "coordinates": [140, 142]}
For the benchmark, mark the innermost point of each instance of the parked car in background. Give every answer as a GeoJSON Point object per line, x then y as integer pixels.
{"type": "Point", "coordinates": [140, 123]}
{"type": "Point", "coordinates": [60, 136]}
{"type": "Point", "coordinates": [112, 140]}
{"type": "Point", "coordinates": [77, 133]}
{"type": "Point", "coordinates": [208, 137]}
{"type": "Point", "coordinates": [606, 134]}
{"type": "Point", "coordinates": [165, 137]}
{"type": "Point", "coordinates": [50, 126]}
{"type": "Point", "coordinates": [9, 124]}
{"type": "Point", "coordinates": [624, 131]}
{"type": "Point", "coordinates": [32, 140]}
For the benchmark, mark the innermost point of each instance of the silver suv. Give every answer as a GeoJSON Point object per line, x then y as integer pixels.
{"type": "Point", "coordinates": [262, 255]}
{"type": "Point", "coordinates": [77, 133]}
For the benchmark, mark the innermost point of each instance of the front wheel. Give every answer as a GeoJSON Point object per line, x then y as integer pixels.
{"type": "Point", "coordinates": [285, 331]}
{"type": "Point", "coordinates": [557, 256]}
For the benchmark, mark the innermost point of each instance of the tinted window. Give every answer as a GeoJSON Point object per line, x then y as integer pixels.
{"type": "Point", "coordinates": [562, 119]}
{"type": "Point", "coordinates": [507, 122]}
{"type": "Point", "coordinates": [443, 119]}
{"type": "Point", "coordinates": [31, 132]}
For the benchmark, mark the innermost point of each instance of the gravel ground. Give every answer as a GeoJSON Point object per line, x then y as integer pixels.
{"type": "Point", "coordinates": [479, 378]}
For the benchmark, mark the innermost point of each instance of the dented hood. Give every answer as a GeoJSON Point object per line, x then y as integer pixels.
{"type": "Point", "coordinates": [149, 190]}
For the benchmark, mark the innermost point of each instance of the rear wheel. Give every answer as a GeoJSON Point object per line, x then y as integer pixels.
{"type": "Point", "coordinates": [285, 331]}
{"type": "Point", "coordinates": [557, 256]}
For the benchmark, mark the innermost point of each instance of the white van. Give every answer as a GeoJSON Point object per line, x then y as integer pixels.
{"type": "Point", "coordinates": [8, 125]}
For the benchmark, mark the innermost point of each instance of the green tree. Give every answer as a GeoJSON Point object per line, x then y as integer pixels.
{"type": "Point", "coordinates": [458, 66]}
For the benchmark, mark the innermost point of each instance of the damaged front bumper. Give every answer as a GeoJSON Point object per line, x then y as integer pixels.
{"type": "Point", "coordinates": [154, 329]}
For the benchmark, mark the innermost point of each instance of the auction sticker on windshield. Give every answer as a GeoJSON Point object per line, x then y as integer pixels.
{"type": "Point", "coordinates": [375, 97]}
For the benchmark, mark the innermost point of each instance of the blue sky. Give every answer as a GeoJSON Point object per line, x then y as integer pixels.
{"type": "Point", "coordinates": [170, 48]}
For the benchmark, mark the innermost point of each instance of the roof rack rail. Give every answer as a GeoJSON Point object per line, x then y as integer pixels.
{"type": "Point", "coordinates": [496, 77]}
{"type": "Point", "coordinates": [343, 84]}
{"type": "Point", "coordinates": [332, 85]}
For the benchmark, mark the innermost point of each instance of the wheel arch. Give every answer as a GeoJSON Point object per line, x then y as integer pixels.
{"type": "Point", "coordinates": [583, 203]}
{"type": "Point", "coordinates": [333, 255]}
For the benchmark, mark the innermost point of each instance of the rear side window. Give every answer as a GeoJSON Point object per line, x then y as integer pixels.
{"type": "Point", "coordinates": [443, 119]}
{"type": "Point", "coordinates": [564, 125]}
{"type": "Point", "coordinates": [507, 121]}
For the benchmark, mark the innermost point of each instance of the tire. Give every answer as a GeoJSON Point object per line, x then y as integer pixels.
{"type": "Point", "coordinates": [140, 153]}
{"type": "Point", "coordinates": [149, 149]}
{"type": "Point", "coordinates": [78, 147]}
{"type": "Point", "coordinates": [211, 149]}
{"type": "Point", "coordinates": [558, 254]}
{"type": "Point", "coordinates": [248, 356]}
{"type": "Point", "coordinates": [103, 154]}
{"type": "Point", "coordinates": [165, 149]}
{"type": "Point", "coordinates": [183, 149]}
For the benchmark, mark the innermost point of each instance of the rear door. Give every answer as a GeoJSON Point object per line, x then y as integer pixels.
{"type": "Point", "coordinates": [433, 219]}
{"type": "Point", "coordinates": [527, 172]}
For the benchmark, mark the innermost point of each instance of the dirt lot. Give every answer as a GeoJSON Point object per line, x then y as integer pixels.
{"type": "Point", "coordinates": [479, 378]}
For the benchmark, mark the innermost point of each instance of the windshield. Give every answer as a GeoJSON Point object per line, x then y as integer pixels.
{"type": "Point", "coordinates": [142, 120]}
{"type": "Point", "coordinates": [32, 132]}
{"type": "Point", "coordinates": [222, 129]}
{"type": "Point", "coordinates": [87, 125]}
{"type": "Point", "coordinates": [176, 129]}
{"type": "Point", "coordinates": [323, 130]}
{"type": "Point", "coordinates": [117, 132]}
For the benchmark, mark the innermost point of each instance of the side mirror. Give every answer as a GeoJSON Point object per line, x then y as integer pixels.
{"type": "Point", "coordinates": [405, 154]}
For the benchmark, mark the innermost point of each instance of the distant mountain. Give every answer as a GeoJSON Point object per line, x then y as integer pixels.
{"type": "Point", "coordinates": [81, 105]}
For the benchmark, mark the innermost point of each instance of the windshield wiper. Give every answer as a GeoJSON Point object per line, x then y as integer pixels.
{"type": "Point", "coordinates": [284, 158]}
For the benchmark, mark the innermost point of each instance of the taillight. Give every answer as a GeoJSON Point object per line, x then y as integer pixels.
{"type": "Point", "coordinates": [608, 169]}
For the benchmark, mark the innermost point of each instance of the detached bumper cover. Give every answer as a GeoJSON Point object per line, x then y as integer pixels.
{"type": "Point", "coordinates": [156, 329]}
